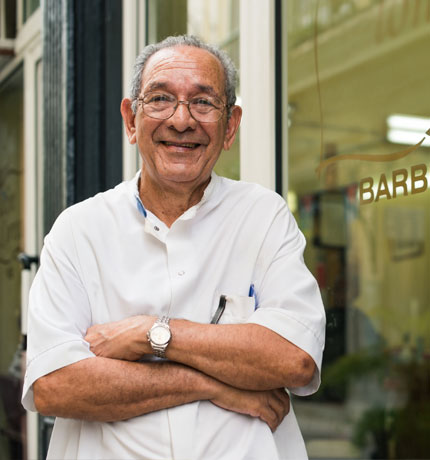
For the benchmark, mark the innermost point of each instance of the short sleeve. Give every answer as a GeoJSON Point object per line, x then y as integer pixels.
{"type": "Point", "coordinates": [288, 297]}
{"type": "Point", "coordinates": [59, 312]}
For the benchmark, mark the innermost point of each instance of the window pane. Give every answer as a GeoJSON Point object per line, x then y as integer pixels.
{"type": "Point", "coordinates": [10, 18]}
{"type": "Point", "coordinates": [362, 198]}
{"type": "Point", "coordinates": [11, 141]}
{"type": "Point", "coordinates": [214, 22]}
{"type": "Point", "coordinates": [30, 6]}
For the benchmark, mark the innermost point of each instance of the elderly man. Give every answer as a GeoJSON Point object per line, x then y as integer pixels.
{"type": "Point", "coordinates": [170, 313]}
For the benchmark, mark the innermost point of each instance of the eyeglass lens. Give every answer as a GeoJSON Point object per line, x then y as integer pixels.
{"type": "Point", "coordinates": [163, 106]}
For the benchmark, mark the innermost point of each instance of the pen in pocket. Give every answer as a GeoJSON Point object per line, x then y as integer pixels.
{"type": "Point", "coordinates": [219, 310]}
{"type": "Point", "coordinates": [252, 294]}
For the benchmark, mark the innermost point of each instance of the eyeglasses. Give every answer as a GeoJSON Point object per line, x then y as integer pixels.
{"type": "Point", "coordinates": [161, 106]}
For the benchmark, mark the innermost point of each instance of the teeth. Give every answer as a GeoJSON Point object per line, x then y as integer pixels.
{"type": "Point", "coordinates": [188, 145]}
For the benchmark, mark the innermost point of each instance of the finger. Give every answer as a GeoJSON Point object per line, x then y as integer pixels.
{"type": "Point", "coordinates": [271, 409]}
{"type": "Point", "coordinates": [269, 416]}
{"type": "Point", "coordinates": [284, 397]}
{"type": "Point", "coordinates": [278, 410]}
{"type": "Point", "coordinates": [90, 339]}
{"type": "Point", "coordinates": [285, 401]}
{"type": "Point", "coordinates": [279, 401]}
{"type": "Point", "coordinates": [88, 334]}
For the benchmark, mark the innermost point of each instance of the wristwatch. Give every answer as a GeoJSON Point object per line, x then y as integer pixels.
{"type": "Point", "coordinates": [159, 336]}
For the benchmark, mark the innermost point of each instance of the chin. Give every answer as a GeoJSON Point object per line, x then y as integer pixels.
{"type": "Point", "coordinates": [182, 174]}
{"type": "Point", "coordinates": [181, 178]}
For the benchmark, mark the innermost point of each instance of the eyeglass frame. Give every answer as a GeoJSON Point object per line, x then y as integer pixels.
{"type": "Point", "coordinates": [187, 103]}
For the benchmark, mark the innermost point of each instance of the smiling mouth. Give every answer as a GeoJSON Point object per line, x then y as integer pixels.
{"type": "Point", "coordinates": [187, 145]}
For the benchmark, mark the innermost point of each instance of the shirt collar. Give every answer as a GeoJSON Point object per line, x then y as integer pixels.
{"type": "Point", "coordinates": [189, 213]}
{"type": "Point", "coordinates": [139, 204]}
{"type": "Point", "coordinates": [207, 195]}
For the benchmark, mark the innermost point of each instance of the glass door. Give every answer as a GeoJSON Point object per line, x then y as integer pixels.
{"type": "Point", "coordinates": [359, 185]}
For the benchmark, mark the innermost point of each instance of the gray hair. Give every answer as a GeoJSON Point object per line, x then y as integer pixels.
{"type": "Point", "coordinates": [185, 40]}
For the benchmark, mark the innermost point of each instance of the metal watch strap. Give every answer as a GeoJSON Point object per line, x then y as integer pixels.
{"type": "Point", "coordinates": [160, 351]}
{"type": "Point", "coordinates": [163, 319]}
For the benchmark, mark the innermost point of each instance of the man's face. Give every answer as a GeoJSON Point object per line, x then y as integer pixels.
{"type": "Point", "coordinates": [181, 149]}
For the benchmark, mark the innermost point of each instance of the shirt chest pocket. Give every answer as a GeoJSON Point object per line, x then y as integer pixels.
{"type": "Point", "coordinates": [237, 309]}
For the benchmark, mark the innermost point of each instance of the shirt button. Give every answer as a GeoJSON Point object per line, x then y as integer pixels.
{"type": "Point", "coordinates": [181, 273]}
{"type": "Point", "coordinates": [156, 228]}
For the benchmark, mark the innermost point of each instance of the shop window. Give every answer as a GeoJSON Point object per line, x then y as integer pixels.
{"type": "Point", "coordinates": [13, 14]}
{"type": "Point", "coordinates": [361, 195]}
{"type": "Point", "coordinates": [7, 19]}
{"type": "Point", "coordinates": [213, 22]}
{"type": "Point", "coordinates": [11, 172]}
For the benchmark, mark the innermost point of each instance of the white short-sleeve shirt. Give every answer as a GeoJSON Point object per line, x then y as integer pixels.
{"type": "Point", "coordinates": [107, 258]}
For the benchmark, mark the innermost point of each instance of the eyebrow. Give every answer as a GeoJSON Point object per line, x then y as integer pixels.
{"type": "Point", "coordinates": [164, 85]}
{"type": "Point", "coordinates": [156, 85]}
{"type": "Point", "coordinates": [208, 89]}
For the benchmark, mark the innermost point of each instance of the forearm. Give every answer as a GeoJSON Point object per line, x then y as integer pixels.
{"type": "Point", "coordinates": [108, 390]}
{"type": "Point", "coordinates": [246, 356]}
{"type": "Point", "coordinates": [103, 389]}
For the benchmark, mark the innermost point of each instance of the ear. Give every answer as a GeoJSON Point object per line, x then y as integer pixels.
{"type": "Point", "coordinates": [129, 120]}
{"type": "Point", "coordinates": [232, 127]}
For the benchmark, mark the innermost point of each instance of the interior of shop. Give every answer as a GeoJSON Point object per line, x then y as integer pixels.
{"type": "Point", "coordinates": [354, 68]}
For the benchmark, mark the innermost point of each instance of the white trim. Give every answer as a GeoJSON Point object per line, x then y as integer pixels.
{"type": "Point", "coordinates": [257, 80]}
{"type": "Point", "coordinates": [28, 38]}
{"type": "Point", "coordinates": [29, 32]}
{"type": "Point", "coordinates": [31, 137]}
{"type": "Point", "coordinates": [7, 43]}
{"type": "Point", "coordinates": [32, 421]}
{"type": "Point", "coordinates": [133, 39]}
{"type": "Point", "coordinates": [19, 15]}
{"type": "Point", "coordinates": [32, 187]}
{"type": "Point", "coordinates": [10, 68]}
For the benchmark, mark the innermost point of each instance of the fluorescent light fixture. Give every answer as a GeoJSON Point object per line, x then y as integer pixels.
{"type": "Point", "coordinates": [408, 130]}
{"type": "Point", "coordinates": [401, 136]}
{"type": "Point", "coordinates": [408, 122]}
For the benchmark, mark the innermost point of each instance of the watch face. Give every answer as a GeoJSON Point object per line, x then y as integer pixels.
{"type": "Point", "coordinates": [160, 335]}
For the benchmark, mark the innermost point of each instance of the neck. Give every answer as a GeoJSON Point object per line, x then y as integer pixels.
{"type": "Point", "coordinates": [168, 202]}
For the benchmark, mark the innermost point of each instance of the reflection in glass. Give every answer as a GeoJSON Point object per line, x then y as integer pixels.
{"type": "Point", "coordinates": [368, 248]}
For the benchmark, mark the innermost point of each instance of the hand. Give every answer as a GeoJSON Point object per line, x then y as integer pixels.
{"type": "Point", "coordinates": [125, 339]}
{"type": "Point", "coordinates": [271, 406]}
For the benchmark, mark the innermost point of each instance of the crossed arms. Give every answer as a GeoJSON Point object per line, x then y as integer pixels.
{"type": "Point", "coordinates": [238, 367]}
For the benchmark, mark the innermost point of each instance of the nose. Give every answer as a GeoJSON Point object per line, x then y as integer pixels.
{"type": "Point", "coordinates": [181, 120]}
